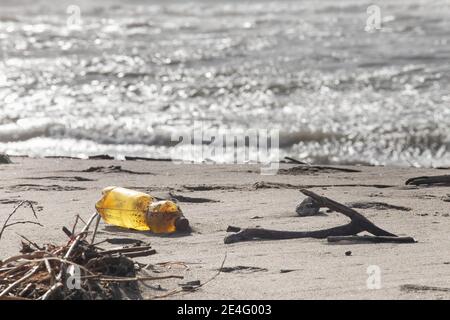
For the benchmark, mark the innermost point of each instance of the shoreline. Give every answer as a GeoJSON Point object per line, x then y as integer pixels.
{"type": "Point", "coordinates": [216, 196]}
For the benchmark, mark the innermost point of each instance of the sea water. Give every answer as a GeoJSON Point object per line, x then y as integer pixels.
{"type": "Point", "coordinates": [79, 78]}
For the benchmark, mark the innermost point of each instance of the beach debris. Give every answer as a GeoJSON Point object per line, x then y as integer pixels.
{"type": "Point", "coordinates": [35, 204]}
{"type": "Point", "coordinates": [287, 270]}
{"type": "Point", "coordinates": [113, 169]}
{"type": "Point", "coordinates": [39, 187]}
{"type": "Point", "coordinates": [296, 161]}
{"type": "Point", "coordinates": [123, 241]}
{"type": "Point", "coordinates": [75, 270]}
{"type": "Point", "coordinates": [425, 180]}
{"type": "Point", "coordinates": [376, 205]}
{"type": "Point", "coordinates": [139, 211]}
{"type": "Point", "coordinates": [243, 269]}
{"type": "Point", "coordinates": [60, 178]}
{"type": "Point", "coordinates": [129, 158]}
{"type": "Point", "coordinates": [61, 157]}
{"type": "Point", "coordinates": [306, 168]}
{"type": "Point", "coordinates": [416, 287]}
{"type": "Point", "coordinates": [308, 207]}
{"type": "Point", "coordinates": [4, 159]}
{"type": "Point", "coordinates": [101, 157]}
{"type": "Point", "coordinates": [348, 253]}
{"type": "Point", "coordinates": [371, 239]}
{"type": "Point", "coordinates": [190, 285]}
{"type": "Point", "coordinates": [358, 224]}
{"type": "Point", "coordinates": [280, 185]}
{"type": "Point", "coordinates": [197, 287]}
{"type": "Point", "coordinates": [181, 198]}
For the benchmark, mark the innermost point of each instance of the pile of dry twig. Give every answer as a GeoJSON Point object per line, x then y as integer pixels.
{"type": "Point", "coordinates": [78, 269]}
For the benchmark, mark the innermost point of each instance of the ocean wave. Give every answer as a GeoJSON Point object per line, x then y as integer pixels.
{"type": "Point", "coordinates": [129, 78]}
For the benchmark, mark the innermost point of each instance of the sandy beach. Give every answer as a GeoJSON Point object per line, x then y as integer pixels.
{"type": "Point", "coordinates": [216, 196]}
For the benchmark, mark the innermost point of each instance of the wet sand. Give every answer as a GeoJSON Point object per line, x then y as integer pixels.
{"type": "Point", "coordinates": [216, 196]}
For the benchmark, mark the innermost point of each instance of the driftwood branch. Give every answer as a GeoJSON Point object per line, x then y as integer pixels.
{"type": "Point", "coordinates": [439, 180]}
{"type": "Point", "coordinates": [371, 239]}
{"type": "Point", "coordinates": [358, 224]}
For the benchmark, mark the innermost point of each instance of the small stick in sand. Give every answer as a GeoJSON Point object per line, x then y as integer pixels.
{"type": "Point", "coordinates": [415, 287]}
{"type": "Point", "coordinates": [95, 229]}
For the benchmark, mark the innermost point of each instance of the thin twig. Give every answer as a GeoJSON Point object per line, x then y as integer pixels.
{"type": "Point", "coordinates": [126, 250]}
{"type": "Point", "coordinates": [75, 223]}
{"type": "Point", "coordinates": [36, 254]}
{"type": "Point", "coordinates": [50, 291]}
{"type": "Point", "coordinates": [66, 262]}
{"type": "Point", "coordinates": [16, 283]}
{"type": "Point", "coordinates": [23, 222]}
{"type": "Point", "coordinates": [217, 274]}
{"type": "Point", "coordinates": [95, 229]}
{"type": "Point", "coordinates": [131, 279]}
{"type": "Point", "coordinates": [34, 244]}
{"type": "Point", "coordinates": [173, 292]}
{"type": "Point", "coordinates": [6, 225]}
{"type": "Point", "coordinates": [25, 290]}
{"type": "Point", "coordinates": [78, 237]}
{"type": "Point", "coordinates": [50, 271]}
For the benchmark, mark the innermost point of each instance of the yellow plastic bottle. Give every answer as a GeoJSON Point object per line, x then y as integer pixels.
{"type": "Point", "coordinates": [139, 211]}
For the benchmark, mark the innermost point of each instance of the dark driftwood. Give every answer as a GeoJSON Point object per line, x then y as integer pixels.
{"type": "Point", "coordinates": [444, 180]}
{"type": "Point", "coordinates": [372, 239]}
{"type": "Point", "coordinates": [358, 224]}
{"type": "Point", "coordinates": [416, 287]}
{"type": "Point", "coordinates": [321, 167]}
{"type": "Point", "coordinates": [295, 160]}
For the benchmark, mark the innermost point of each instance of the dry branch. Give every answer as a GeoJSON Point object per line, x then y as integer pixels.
{"type": "Point", "coordinates": [358, 223]}
{"type": "Point", "coordinates": [43, 273]}
{"type": "Point", "coordinates": [436, 180]}
{"type": "Point", "coordinates": [371, 239]}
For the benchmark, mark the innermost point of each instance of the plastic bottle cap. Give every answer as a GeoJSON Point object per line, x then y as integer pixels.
{"type": "Point", "coordinates": [182, 224]}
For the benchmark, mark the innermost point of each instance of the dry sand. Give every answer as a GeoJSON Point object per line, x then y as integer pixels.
{"type": "Point", "coordinates": [317, 270]}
